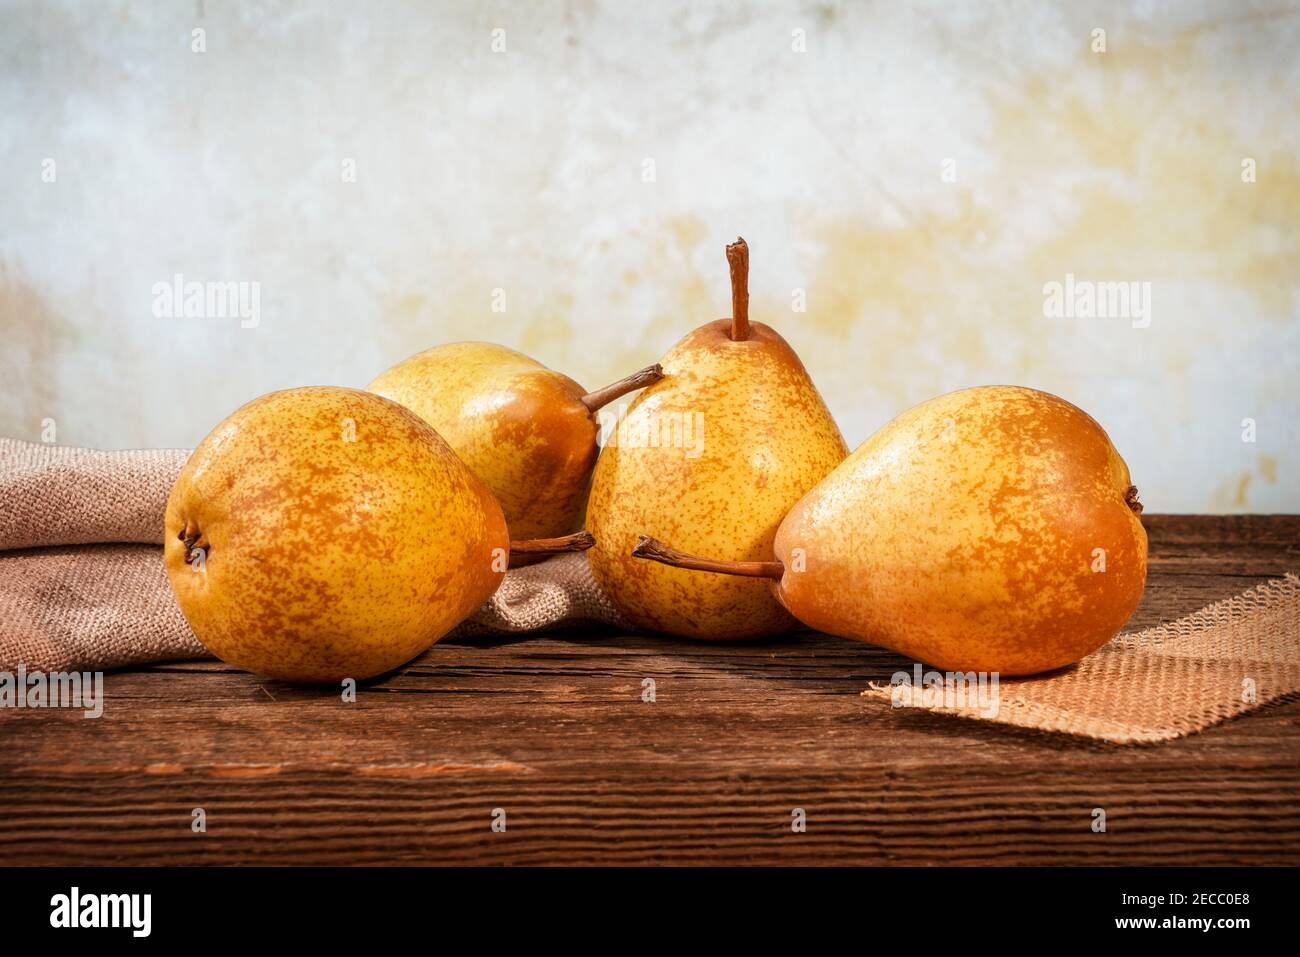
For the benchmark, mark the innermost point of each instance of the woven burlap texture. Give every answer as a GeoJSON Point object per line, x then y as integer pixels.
{"type": "Point", "coordinates": [56, 495]}
{"type": "Point", "coordinates": [82, 586]}
{"type": "Point", "coordinates": [1163, 682]}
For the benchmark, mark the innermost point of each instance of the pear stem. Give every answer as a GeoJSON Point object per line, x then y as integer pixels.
{"type": "Point", "coordinates": [657, 551]}
{"type": "Point", "coordinates": [594, 401]}
{"type": "Point", "coordinates": [577, 542]}
{"type": "Point", "coordinates": [738, 260]}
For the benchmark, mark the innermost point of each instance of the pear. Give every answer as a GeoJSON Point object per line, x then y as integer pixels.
{"type": "Point", "coordinates": [527, 431]}
{"type": "Point", "coordinates": [711, 457]}
{"type": "Point", "coordinates": [321, 533]}
{"type": "Point", "coordinates": [993, 529]}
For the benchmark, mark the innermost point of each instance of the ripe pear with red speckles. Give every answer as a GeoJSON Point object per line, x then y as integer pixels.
{"type": "Point", "coordinates": [321, 533]}
{"type": "Point", "coordinates": [527, 431]}
{"type": "Point", "coordinates": [712, 457]}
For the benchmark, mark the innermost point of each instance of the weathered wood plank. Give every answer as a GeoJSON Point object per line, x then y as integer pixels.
{"type": "Point", "coordinates": [553, 730]}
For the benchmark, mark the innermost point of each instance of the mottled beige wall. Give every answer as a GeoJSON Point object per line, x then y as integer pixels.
{"type": "Point", "coordinates": [525, 171]}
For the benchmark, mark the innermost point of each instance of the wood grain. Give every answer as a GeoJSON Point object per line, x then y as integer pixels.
{"type": "Point", "coordinates": [553, 730]}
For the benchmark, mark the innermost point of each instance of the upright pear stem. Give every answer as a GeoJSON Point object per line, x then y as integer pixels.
{"type": "Point", "coordinates": [594, 401]}
{"type": "Point", "coordinates": [657, 551]}
{"type": "Point", "coordinates": [738, 260]}
{"type": "Point", "coordinates": [577, 542]}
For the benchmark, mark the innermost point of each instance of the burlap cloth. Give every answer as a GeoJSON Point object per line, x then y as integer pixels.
{"type": "Point", "coordinates": [82, 588]}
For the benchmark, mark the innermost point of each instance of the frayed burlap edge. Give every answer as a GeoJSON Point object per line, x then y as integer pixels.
{"type": "Point", "coordinates": [1163, 682]}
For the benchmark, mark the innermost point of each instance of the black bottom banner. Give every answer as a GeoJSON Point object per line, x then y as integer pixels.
{"type": "Point", "coordinates": [130, 906]}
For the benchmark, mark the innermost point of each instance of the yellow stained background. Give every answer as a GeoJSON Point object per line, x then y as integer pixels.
{"type": "Point", "coordinates": [563, 177]}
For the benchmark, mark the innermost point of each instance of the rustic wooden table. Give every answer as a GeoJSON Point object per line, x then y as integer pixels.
{"type": "Point", "coordinates": [554, 732]}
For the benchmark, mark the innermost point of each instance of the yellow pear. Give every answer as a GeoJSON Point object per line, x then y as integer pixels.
{"type": "Point", "coordinates": [321, 533]}
{"type": "Point", "coordinates": [527, 431]}
{"type": "Point", "coordinates": [993, 529]}
{"type": "Point", "coordinates": [711, 458]}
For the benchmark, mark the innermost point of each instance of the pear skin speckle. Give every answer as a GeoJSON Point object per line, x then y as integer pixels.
{"type": "Point", "coordinates": [992, 529]}
{"type": "Point", "coordinates": [749, 436]}
{"type": "Point", "coordinates": [519, 426]}
{"type": "Point", "coordinates": [322, 533]}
